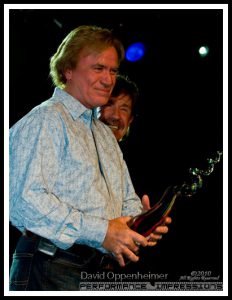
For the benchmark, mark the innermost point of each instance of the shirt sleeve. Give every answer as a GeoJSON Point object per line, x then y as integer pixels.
{"type": "Point", "coordinates": [132, 205]}
{"type": "Point", "coordinates": [36, 146]}
{"type": "Point", "coordinates": [130, 202]}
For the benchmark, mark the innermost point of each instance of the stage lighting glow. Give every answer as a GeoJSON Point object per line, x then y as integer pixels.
{"type": "Point", "coordinates": [203, 51]}
{"type": "Point", "coordinates": [135, 52]}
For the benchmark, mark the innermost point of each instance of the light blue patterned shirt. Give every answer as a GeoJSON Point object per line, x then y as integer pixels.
{"type": "Point", "coordinates": [67, 174]}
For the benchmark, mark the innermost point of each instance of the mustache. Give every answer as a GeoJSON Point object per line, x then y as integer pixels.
{"type": "Point", "coordinates": [114, 124]}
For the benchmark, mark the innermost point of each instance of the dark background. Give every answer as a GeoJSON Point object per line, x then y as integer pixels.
{"type": "Point", "coordinates": [179, 121]}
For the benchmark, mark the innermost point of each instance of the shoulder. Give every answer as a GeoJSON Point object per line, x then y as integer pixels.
{"type": "Point", "coordinates": [43, 116]}
{"type": "Point", "coordinates": [45, 110]}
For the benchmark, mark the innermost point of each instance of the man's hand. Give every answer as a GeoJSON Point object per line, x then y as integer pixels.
{"type": "Point", "coordinates": [122, 242]}
{"type": "Point", "coordinates": [160, 230]}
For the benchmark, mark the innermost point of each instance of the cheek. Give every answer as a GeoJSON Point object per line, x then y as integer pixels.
{"type": "Point", "coordinates": [81, 83]}
{"type": "Point", "coordinates": [103, 116]}
{"type": "Point", "coordinates": [107, 112]}
{"type": "Point", "coordinates": [86, 82]}
{"type": "Point", "coordinates": [126, 120]}
{"type": "Point", "coordinates": [113, 80]}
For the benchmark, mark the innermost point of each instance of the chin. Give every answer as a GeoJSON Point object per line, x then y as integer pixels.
{"type": "Point", "coordinates": [118, 137]}
{"type": "Point", "coordinates": [103, 99]}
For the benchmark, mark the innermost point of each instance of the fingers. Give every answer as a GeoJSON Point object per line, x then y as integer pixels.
{"type": "Point", "coordinates": [146, 203]}
{"type": "Point", "coordinates": [157, 235]}
{"type": "Point", "coordinates": [125, 219]}
{"type": "Point", "coordinates": [153, 239]}
{"type": "Point", "coordinates": [126, 254]}
{"type": "Point", "coordinates": [139, 239]}
{"type": "Point", "coordinates": [151, 244]}
{"type": "Point", "coordinates": [123, 242]}
{"type": "Point", "coordinates": [167, 220]}
{"type": "Point", "coordinates": [161, 229]}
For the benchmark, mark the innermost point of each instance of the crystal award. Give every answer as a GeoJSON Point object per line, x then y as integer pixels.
{"type": "Point", "coordinates": [145, 223]}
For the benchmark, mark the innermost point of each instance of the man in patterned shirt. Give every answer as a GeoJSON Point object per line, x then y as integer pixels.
{"type": "Point", "coordinates": [71, 195]}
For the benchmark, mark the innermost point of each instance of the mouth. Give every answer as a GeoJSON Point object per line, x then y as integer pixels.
{"type": "Point", "coordinates": [104, 93]}
{"type": "Point", "coordinates": [113, 127]}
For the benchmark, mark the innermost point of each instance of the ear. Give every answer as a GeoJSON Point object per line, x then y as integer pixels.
{"type": "Point", "coordinates": [131, 119]}
{"type": "Point", "coordinates": [68, 74]}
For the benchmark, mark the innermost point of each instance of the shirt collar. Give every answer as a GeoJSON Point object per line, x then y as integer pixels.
{"type": "Point", "coordinates": [75, 107]}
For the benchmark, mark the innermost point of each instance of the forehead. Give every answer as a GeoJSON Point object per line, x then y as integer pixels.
{"type": "Point", "coordinates": [104, 56]}
{"type": "Point", "coordinates": [122, 99]}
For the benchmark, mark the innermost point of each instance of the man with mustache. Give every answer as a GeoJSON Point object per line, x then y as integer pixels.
{"type": "Point", "coordinates": [118, 112]}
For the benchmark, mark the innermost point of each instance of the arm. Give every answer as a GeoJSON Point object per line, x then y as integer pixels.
{"type": "Point", "coordinates": [37, 154]}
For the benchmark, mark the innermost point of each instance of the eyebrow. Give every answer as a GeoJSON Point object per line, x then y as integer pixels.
{"type": "Point", "coordinates": [104, 66]}
{"type": "Point", "coordinates": [125, 105]}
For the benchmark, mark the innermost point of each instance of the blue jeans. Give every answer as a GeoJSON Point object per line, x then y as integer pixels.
{"type": "Point", "coordinates": [32, 270]}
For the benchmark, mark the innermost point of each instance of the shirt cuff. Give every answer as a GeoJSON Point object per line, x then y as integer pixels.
{"type": "Point", "coordinates": [90, 231]}
{"type": "Point", "coordinates": [93, 231]}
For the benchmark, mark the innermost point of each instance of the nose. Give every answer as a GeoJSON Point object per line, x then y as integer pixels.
{"type": "Point", "coordinates": [107, 78]}
{"type": "Point", "coordinates": [115, 113]}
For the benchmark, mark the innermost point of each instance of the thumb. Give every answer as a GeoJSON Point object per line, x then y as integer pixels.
{"type": "Point", "coordinates": [146, 203]}
{"type": "Point", "coordinates": [125, 219]}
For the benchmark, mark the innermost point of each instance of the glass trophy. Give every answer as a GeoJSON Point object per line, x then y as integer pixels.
{"type": "Point", "coordinates": [147, 222]}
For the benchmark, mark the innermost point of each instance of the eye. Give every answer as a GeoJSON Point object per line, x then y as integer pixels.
{"type": "Point", "coordinates": [113, 71]}
{"type": "Point", "coordinates": [98, 68]}
{"type": "Point", "coordinates": [125, 109]}
{"type": "Point", "coordinates": [106, 105]}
